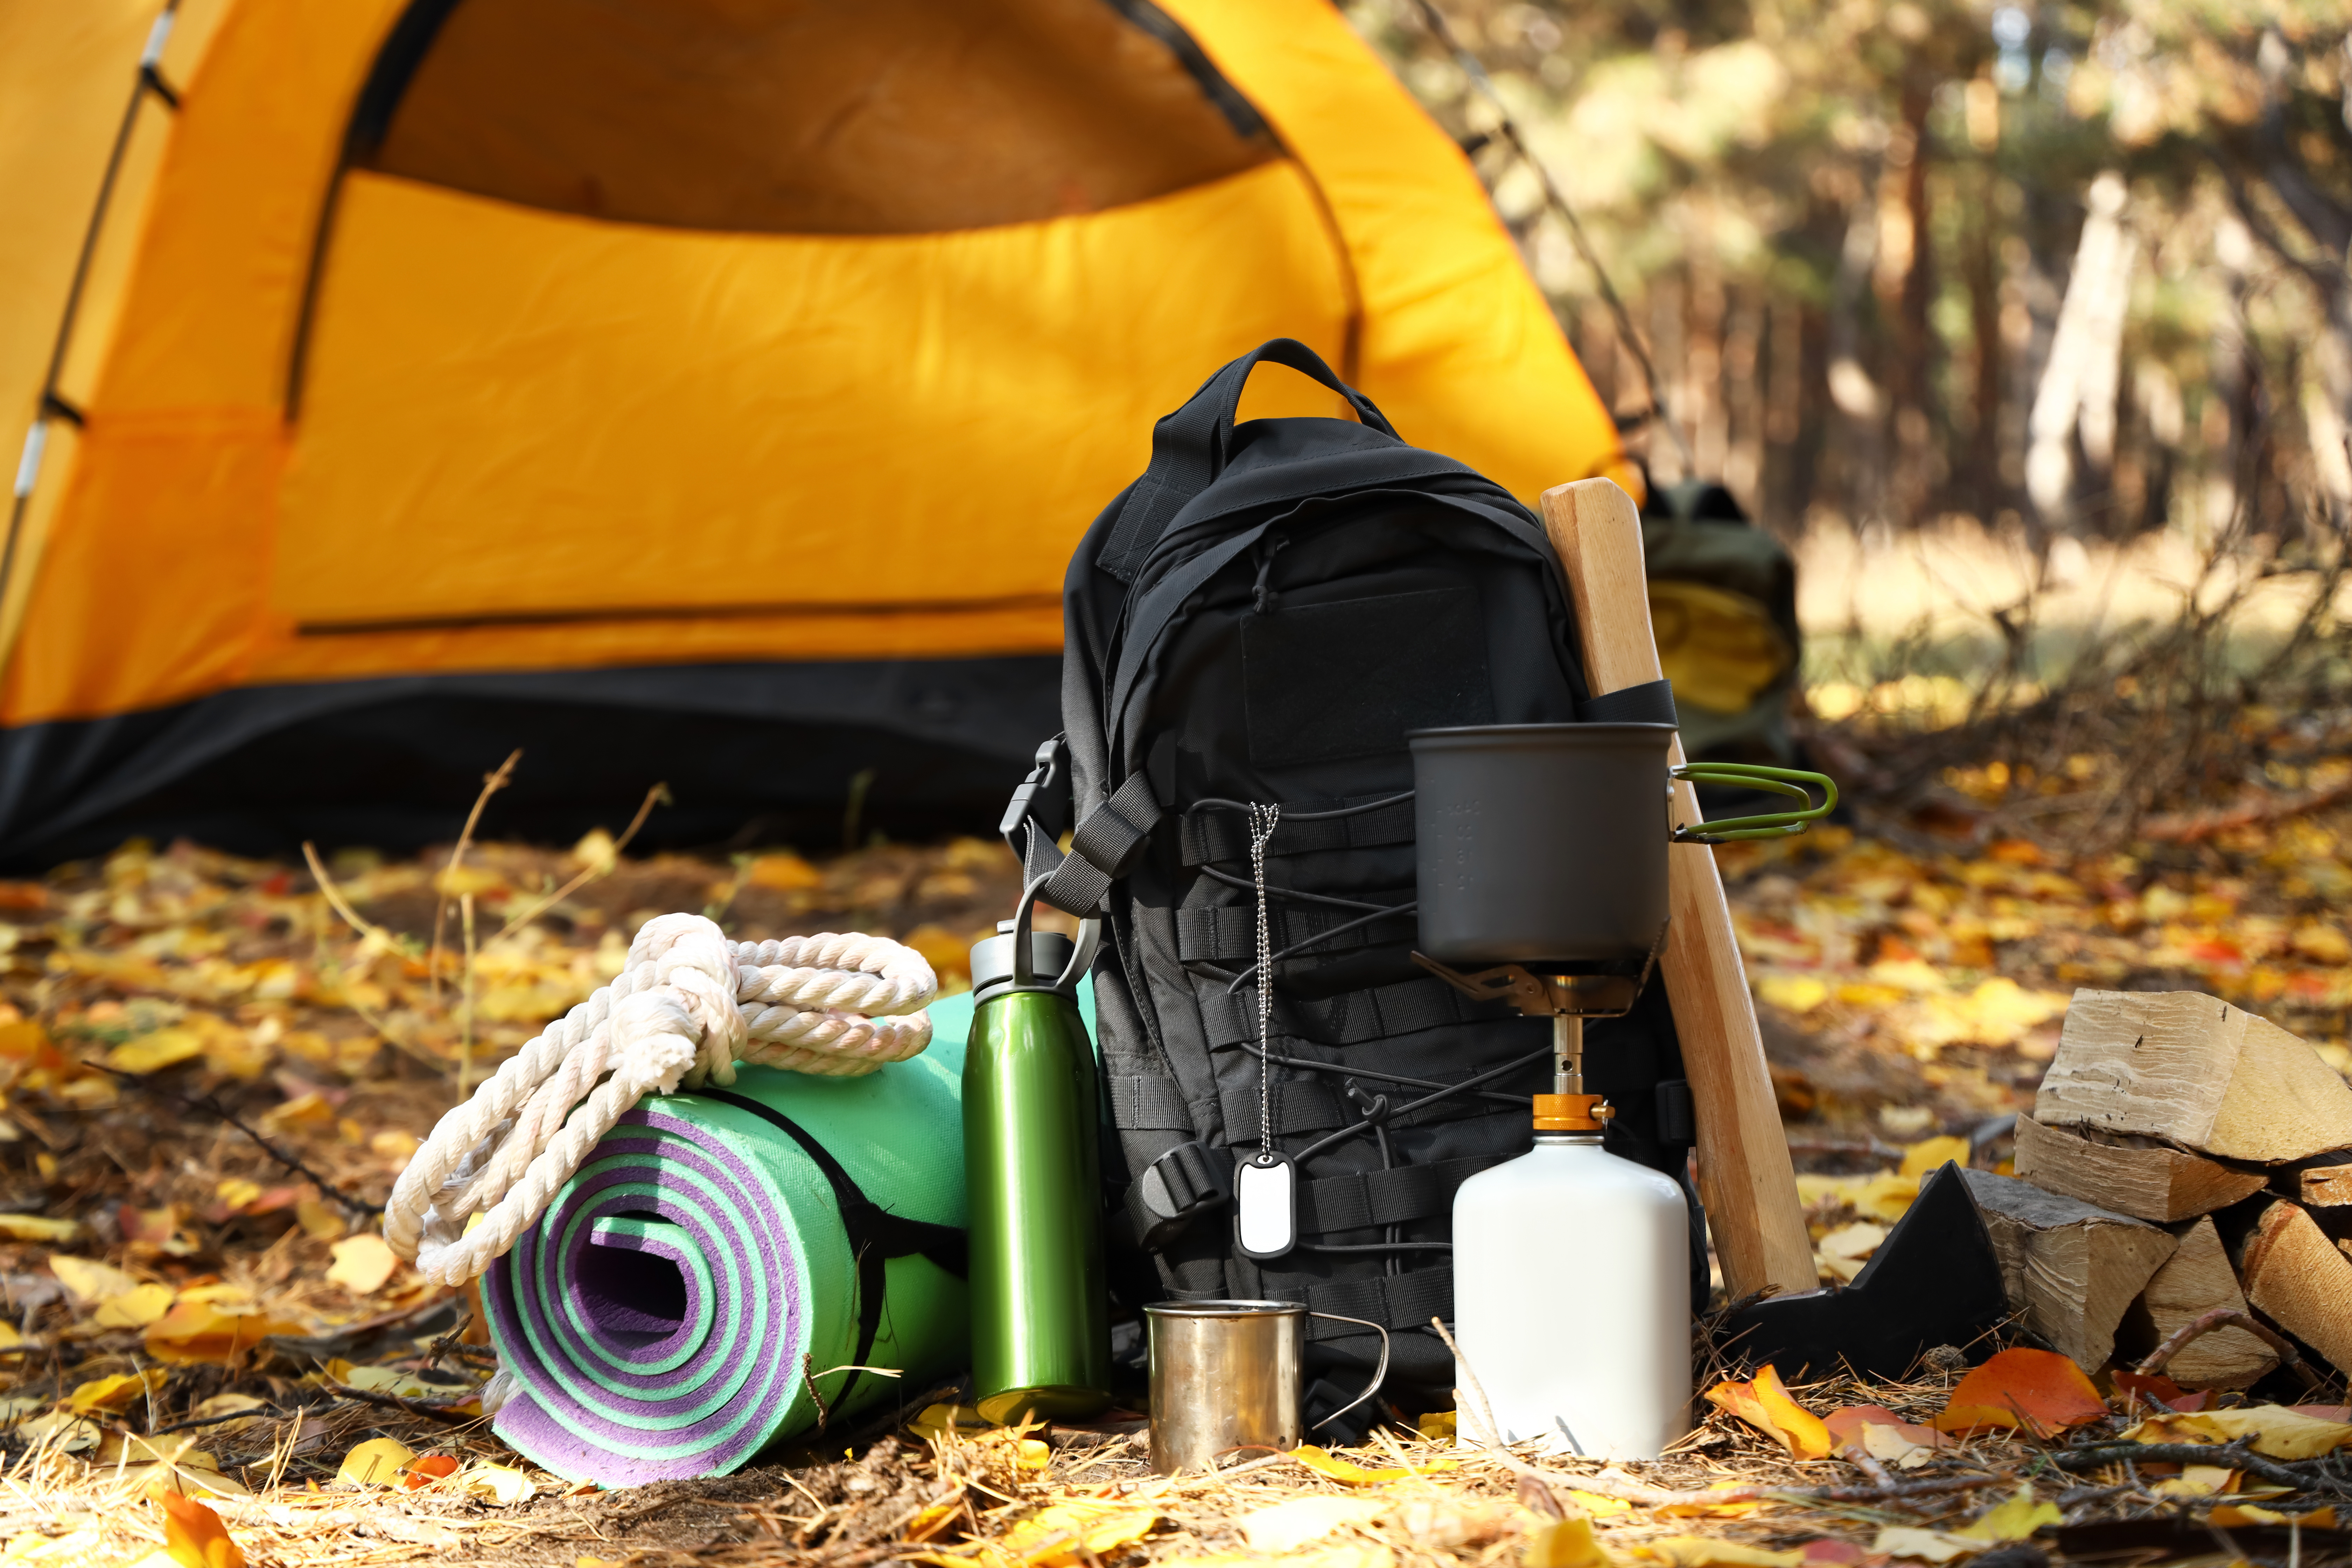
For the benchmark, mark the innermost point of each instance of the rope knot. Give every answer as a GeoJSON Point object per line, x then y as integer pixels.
{"type": "Point", "coordinates": [687, 1006]}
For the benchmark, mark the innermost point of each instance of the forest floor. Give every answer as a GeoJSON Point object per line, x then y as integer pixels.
{"type": "Point", "coordinates": [210, 1075]}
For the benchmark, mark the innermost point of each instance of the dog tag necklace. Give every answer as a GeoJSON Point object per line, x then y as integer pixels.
{"type": "Point", "coordinates": [1266, 1210]}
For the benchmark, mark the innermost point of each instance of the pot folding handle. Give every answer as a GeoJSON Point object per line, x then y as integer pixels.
{"type": "Point", "coordinates": [1771, 781]}
{"type": "Point", "coordinates": [1380, 1373]}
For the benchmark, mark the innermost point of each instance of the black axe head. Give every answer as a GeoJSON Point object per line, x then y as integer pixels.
{"type": "Point", "coordinates": [1935, 1280]}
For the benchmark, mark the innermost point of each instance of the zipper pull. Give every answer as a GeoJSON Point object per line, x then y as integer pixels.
{"type": "Point", "coordinates": [1262, 596]}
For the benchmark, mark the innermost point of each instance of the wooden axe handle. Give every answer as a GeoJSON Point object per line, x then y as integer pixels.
{"type": "Point", "coordinates": [1743, 1175]}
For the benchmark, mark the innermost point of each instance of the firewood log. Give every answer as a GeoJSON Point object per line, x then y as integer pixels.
{"type": "Point", "coordinates": [2193, 1281]}
{"type": "Point", "coordinates": [2194, 1071]}
{"type": "Point", "coordinates": [2071, 1269]}
{"type": "Point", "coordinates": [2137, 1176]}
{"type": "Point", "coordinates": [2299, 1280]}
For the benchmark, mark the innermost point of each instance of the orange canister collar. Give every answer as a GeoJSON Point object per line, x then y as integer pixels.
{"type": "Point", "coordinates": [1572, 1113]}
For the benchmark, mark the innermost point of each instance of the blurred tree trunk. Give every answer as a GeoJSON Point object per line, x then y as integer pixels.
{"type": "Point", "coordinates": [1911, 380]}
{"type": "Point", "coordinates": [1984, 491]}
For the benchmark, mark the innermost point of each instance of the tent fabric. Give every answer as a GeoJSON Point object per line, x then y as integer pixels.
{"type": "Point", "coordinates": [454, 341]}
{"type": "Point", "coordinates": [894, 116]}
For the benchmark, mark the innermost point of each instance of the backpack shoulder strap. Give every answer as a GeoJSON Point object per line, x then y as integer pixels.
{"type": "Point", "coordinates": [1189, 448]}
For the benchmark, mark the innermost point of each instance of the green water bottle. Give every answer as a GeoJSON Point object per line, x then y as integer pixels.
{"type": "Point", "coordinates": [1040, 1307]}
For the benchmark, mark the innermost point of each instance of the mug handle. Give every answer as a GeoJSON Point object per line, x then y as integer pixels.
{"type": "Point", "coordinates": [1772, 781]}
{"type": "Point", "coordinates": [1380, 1373]}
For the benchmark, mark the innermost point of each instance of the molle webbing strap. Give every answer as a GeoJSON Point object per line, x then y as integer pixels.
{"type": "Point", "coordinates": [1396, 1196]}
{"type": "Point", "coordinates": [1391, 1301]}
{"type": "Point", "coordinates": [1313, 1107]}
{"type": "Point", "coordinates": [1148, 1103]}
{"type": "Point", "coordinates": [1652, 702]}
{"type": "Point", "coordinates": [1105, 847]}
{"type": "Point", "coordinates": [1348, 1019]}
{"type": "Point", "coordinates": [1220, 933]}
{"type": "Point", "coordinates": [1214, 834]}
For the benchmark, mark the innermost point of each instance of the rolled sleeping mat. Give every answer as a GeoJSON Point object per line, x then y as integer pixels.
{"type": "Point", "coordinates": [703, 1288]}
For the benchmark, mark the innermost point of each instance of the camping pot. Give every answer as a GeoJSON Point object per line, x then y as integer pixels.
{"type": "Point", "coordinates": [1545, 845]}
{"type": "Point", "coordinates": [1229, 1375]}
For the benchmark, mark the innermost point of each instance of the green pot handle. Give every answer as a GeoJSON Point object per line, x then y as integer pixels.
{"type": "Point", "coordinates": [1772, 781]}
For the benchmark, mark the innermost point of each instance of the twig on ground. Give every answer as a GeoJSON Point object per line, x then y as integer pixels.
{"type": "Point", "coordinates": [334, 896]}
{"type": "Point", "coordinates": [265, 1414]}
{"type": "Point", "coordinates": [659, 795]}
{"type": "Point", "coordinates": [206, 1103]}
{"type": "Point", "coordinates": [373, 933]}
{"type": "Point", "coordinates": [413, 1406]}
{"type": "Point", "coordinates": [2219, 1318]}
{"type": "Point", "coordinates": [2257, 809]}
{"type": "Point", "coordinates": [492, 784]}
{"type": "Point", "coordinates": [2234, 1456]}
{"type": "Point", "coordinates": [466, 1004]}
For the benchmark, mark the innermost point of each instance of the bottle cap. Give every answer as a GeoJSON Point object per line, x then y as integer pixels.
{"type": "Point", "coordinates": [1572, 1113]}
{"type": "Point", "coordinates": [991, 959]}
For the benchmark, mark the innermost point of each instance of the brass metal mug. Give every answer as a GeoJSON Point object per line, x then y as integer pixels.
{"type": "Point", "coordinates": [1229, 1375]}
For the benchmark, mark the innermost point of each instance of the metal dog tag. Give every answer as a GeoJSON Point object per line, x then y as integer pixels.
{"type": "Point", "coordinates": [1266, 1206]}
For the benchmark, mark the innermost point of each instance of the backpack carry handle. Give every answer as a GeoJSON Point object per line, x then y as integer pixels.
{"type": "Point", "coordinates": [1223, 393]}
{"type": "Point", "coordinates": [1191, 448]}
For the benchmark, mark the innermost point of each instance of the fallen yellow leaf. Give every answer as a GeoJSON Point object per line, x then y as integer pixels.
{"type": "Point", "coordinates": [116, 1392]}
{"type": "Point", "coordinates": [135, 1307]}
{"type": "Point", "coordinates": [1923, 1157]}
{"type": "Point", "coordinates": [130, 1449]}
{"type": "Point", "coordinates": [320, 1222]}
{"type": "Point", "coordinates": [2272, 1431]}
{"type": "Point", "coordinates": [39, 1228]}
{"type": "Point", "coordinates": [2232, 1513]}
{"type": "Point", "coordinates": [936, 1517]}
{"type": "Point", "coordinates": [1764, 1405]}
{"type": "Point", "coordinates": [383, 1380]}
{"type": "Point", "coordinates": [500, 1484]}
{"type": "Point", "coordinates": [783, 873]}
{"type": "Point", "coordinates": [1327, 1464]}
{"type": "Point", "coordinates": [2013, 1519]}
{"type": "Point", "coordinates": [153, 1052]}
{"type": "Point", "coordinates": [1923, 1545]}
{"type": "Point", "coordinates": [235, 1192]}
{"type": "Point", "coordinates": [195, 1536]}
{"type": "Point", "coordinates": [158, 1480]}
{"type": "Point", "coordinates": [1704, 1551]}
{"type": "Point", "coordinates": [2196, 1481]}
{"type": "Point", "coordinates": [89, 1281]}
{"type": "Point", "coordinates": [363, 1263]}
{"type": "Point", "coordinates": [60, 1430]}
{"type": "Point", "coordinates": [1287, 1526]}
{"type": "Point", "coordinates": [375, 1463]}
{"type": "Point", "coordinates": [1599, 1507]}
{"type": "Point", "coordinates": [1066, 1532]}
{"type": "Point", "coordinates": [200, 1330]}
{"type": "Point", "coordinates": [1792, 993]}
{"type": "Point", "coordinates": [1563, 1544]}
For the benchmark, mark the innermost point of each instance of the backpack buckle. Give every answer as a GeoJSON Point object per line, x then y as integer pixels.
{"type": "Point", "coordinates": [1176, 1189]}
{"type": "Point", "coordinates": [1036, 797]}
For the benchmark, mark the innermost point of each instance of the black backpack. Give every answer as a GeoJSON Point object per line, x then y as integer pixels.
{"type": "Point", "coordinates": [1261, 617]}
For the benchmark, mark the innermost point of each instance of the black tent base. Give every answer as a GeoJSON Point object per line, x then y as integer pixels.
{"type": "Point", "coordinates": [754, 755]}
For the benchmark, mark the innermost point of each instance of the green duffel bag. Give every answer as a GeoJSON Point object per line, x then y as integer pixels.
{"type": "Point", "coordinates": [1723, 602]}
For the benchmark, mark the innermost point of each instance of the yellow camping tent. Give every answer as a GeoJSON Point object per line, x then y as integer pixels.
{"type": "Point", "coordinates": [658, 380]}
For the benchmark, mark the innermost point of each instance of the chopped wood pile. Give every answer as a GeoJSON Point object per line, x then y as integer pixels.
{"type": "Point", "coordinates": [2183, 1157]}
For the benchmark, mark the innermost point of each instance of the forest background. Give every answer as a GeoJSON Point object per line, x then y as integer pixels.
{"type": "Point", "coordinates": [1979, 303]}
{"type": "Point", "coordinates": [2028, 329]}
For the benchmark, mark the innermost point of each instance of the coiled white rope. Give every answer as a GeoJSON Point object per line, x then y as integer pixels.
{"type": "Point", "coordinates": [685, 1008]}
